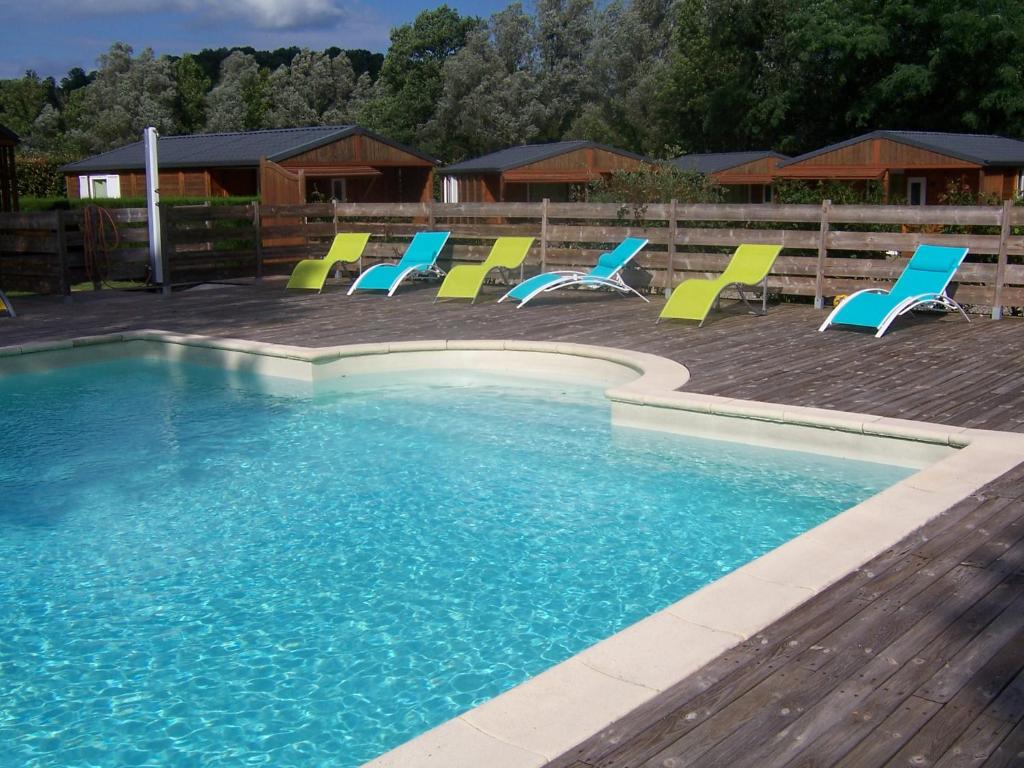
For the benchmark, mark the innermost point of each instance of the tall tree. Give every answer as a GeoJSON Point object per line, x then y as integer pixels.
{"type": "Point", "coordinates": [491, 97]}
{"type": "Point", "coordinates": [565, 31]}
{"type": "Point", "coordinates": [313, 90]}
{"type": "Point", "coordinates": [239, 101]}
{"type": "Point", "coordinates": [193, 85]}
{"type": "Point", "coordinates": [23, 99]}
{"type": "Point", "coordinates": [128, 94]}
{"type": "Point", "coordinates": [411, 78]}
{"type": "Point", "coordinates": [626, 63]}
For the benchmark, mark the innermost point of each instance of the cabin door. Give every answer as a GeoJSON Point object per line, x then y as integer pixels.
{"type": "Point", "coordinates": [917, 188]}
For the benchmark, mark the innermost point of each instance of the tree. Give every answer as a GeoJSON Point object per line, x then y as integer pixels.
{"type": "Point", "coordinates": [193, 85]}
{"type": "Point", "coordinates": [565, 30]}
{"type": "Point", "coordinates": [239, 101]}
{"type": "Point", "coordinates": [625, 66]}
{"type": "Point", "coordinates": [491, 97]}
{"type": "Point", "coordinates": [313, 90]}
{"type": "Point", "coordinates": [127, 95]}
{"type": "Point", "coordinates": [411, 78]}
{"type": "Point", "coordinates": [22, 100]}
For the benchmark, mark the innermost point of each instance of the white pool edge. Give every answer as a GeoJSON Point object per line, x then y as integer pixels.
{"type": "Point", "coordinates": [549, 714]}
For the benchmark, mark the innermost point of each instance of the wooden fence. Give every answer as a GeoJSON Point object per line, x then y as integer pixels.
{"type": "Point", "coordinates": [828, 250]}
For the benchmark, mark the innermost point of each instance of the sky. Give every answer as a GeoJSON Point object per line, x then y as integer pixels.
{"type": "Point", "coordinates": [52, 36]}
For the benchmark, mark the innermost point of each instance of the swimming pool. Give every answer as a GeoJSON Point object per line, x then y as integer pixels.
{"type": "Point", "coordinates": [221, 573]}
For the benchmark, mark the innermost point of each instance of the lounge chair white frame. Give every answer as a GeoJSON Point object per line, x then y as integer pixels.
{"type": "Point", "coordinates": [909, 304]}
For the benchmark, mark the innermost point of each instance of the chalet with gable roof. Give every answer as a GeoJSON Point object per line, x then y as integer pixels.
{"type": "Point", "coordinates": [559, 171]}
{"type": "Point", "coordinates": [746, 176]}
{"type": "Point", "coordinates": [919, 166]}
{"type": "Point", "coordinates": [281, 166]}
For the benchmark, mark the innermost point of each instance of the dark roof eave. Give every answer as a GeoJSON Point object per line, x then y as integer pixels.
{"type": "Point", "coordinates": [900, 139]}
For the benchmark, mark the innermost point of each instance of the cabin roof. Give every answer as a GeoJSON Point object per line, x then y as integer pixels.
{"type": "Point", "coordinates": [713, 162]}
{"type": "Point", "coordinates": [527, 154]}
{"type": "Point", "coordinates": [235, 149]}
{"type": "Point", "coordinates": [7, 133]}
{"type": "Point", "coordinates": [983, 149]}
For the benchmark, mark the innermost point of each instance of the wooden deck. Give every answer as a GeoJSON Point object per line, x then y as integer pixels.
{"type": "Point", "coordinates": [916, 659]}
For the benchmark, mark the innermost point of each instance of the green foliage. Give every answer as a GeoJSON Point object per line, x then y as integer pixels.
{"type": "Point", "coordinates": [127, 94]}
{"type": "Point", "coordinates": [23, 99]}
{"type": "Point", "coordinates": [792, 191]}
{"type": "Point", "coordinates": [411, 79]}
{"type": "Point", "coordinates": [240, 100]}
{"type": "Point", "coordinates": [653, 184]}
{"type": "Point", "coordinates": [39, 175]}
{"type": "Point", "coordinates": [193, 85]}
{"type": "Point", "coordinates": [790, 75]}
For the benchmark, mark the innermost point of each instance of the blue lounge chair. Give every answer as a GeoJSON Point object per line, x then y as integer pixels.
{"type": "Point", "coordinates": [923, 282]}
{"type": "Point", "coordinates": [607, 273]}
{"type": "Point", "coordinates": [419, 257]}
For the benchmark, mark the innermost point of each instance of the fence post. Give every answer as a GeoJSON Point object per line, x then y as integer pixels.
{"type": "Point", "coordinates": [819, 273]}
{"type": "Point", "coordinates": [430, 214]}
{"type": "Point", "coordinates": [544, 235]}
{"type": "Point", "coordinates": [1004, 237]}
{"type": "Point", "coordinates": [62, 256]}
{"type": "Point", "coordinates": [673, 224]}
{"type": "Point", "coordinates": [257, 224]}
{"type": "Point", "coordinates": [166, 248]}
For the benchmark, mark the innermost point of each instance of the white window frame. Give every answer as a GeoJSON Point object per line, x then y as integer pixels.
{"type": "Point", "coordinates": [450, 189]}
{"type": "Point", "coordinates": [112, 180]}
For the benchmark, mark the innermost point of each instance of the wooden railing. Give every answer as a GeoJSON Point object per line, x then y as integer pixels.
{"type": "Point", "coordinates": [828, 250]}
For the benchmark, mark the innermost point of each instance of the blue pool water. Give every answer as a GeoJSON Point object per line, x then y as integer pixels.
{"type": "Point", "coordinates": [196, 572]}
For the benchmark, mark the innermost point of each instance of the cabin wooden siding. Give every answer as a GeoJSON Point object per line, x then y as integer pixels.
{"type": "Point", "coordinates": [580, 165]}
{"type": "Point", "coordinates": [183, 182]}
{"type": "Point", "coordinates": [760, 171]}
{"type": "Point", "coordinates": [355, 150]}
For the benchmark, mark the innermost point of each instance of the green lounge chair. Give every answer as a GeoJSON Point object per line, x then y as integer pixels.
{"type": "Point", "coordinates": [607, 273]}
{"type": "Point", "coordinates": [419, 259]}
{"type": "Point", "coordinates": [750, 264]}
{"type": "Point", "coordinates": [347, 248]}
{"type": "Point", "coordinates": [923, 282]}
{"type": "Point", "coordinates": [465, 280]}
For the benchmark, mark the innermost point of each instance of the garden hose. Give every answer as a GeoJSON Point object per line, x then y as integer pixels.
{"type": "Point", "coordinates": [100, 237]}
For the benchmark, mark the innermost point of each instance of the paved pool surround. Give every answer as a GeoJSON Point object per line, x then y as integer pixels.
{"type": "Point", "coordinates": [547, 715]}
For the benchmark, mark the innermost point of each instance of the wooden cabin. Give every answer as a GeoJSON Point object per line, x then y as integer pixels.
{"type": "Point", "coordinates": [280, 166]}
{"type": "Point", "coordinates": [8, 170]}
{"type": "Point", "coordinates": [746, 176]}
{"type": "Point", "coordinates": [918, 166]}
{"type": "Point", "coordinates": [559, 171]}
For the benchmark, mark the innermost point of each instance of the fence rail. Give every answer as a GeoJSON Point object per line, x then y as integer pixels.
{"type": "Point", "coordinates": [828, 249]}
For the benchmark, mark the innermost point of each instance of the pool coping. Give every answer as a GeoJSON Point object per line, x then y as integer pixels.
{"type": "Point", "coordinates": [545, 716]}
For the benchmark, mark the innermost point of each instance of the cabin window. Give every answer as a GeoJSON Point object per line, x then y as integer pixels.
{"type": "Point", "coordinates": [450, 189]}
{"type": "Point", "coordinates": [99, 186]}
{"type": "Point", "coordinates": [917, 188]}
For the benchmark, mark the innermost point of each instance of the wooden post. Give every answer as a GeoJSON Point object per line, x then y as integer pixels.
{"type": "Point", "coordinates": [673, 226]}
{"type": "Point", "coordinates": [166, 248]}
{"type": "Point", "coordinates": [819, 274]}
{"type": "Point", "coordinates": [257, 225]}
{"type": "Point", "coordinates": [544, 235]}
{"type": "Point", "coordinates": [62, 255]}
{"type": "Point", "coordinates": [1004, 237]}
{"type": "Point", "coordinates": [430, 214]}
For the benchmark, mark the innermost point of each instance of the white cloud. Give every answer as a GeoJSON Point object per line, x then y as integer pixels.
{"type": "Point", "coordinates": [258, 14]}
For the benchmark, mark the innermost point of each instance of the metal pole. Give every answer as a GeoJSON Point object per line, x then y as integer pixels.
{"type": "Point", "coordinates": [156, 261]}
